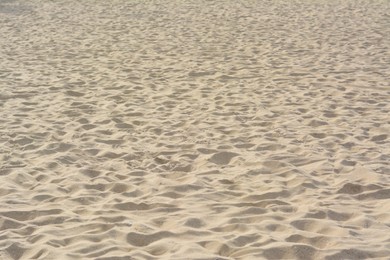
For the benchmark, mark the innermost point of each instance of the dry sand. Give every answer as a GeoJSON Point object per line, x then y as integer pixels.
{"type": "Point", "coordinates": [194, 129]}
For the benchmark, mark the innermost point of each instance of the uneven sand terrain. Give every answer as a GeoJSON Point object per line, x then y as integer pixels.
{"type": "Point", "coordinates": [194, 129]}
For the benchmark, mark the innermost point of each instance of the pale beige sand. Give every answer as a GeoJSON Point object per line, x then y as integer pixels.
{"type": "Point", "coordinates": [194, 129]}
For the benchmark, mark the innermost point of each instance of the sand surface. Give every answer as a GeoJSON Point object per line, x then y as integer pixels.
{"type": "Point", "coordinates": [194, 129]}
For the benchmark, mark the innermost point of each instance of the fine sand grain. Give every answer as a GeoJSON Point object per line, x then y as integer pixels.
{"type": "Point", "coordinates": [194, 129]}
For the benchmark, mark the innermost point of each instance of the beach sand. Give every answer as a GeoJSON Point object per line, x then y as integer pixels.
{"type": "Point", "coordinates": [194, 129]}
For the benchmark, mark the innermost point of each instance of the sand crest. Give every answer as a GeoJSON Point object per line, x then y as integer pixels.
{"type": "Point", "coordinates": [194, 129]}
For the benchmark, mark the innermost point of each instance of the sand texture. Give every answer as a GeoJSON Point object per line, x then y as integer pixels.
{"type": "Point", "coordinates": [194, 129]}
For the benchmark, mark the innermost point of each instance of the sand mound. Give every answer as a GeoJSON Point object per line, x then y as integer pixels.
{"type": "Point", "coordinates": [194, 129]}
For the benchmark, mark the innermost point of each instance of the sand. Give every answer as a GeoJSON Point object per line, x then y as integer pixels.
{"type": "Point", "coordinates": [194, 129]}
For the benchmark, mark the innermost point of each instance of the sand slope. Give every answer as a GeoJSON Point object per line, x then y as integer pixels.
{"type": "Point", "coordinates": [194, 129]}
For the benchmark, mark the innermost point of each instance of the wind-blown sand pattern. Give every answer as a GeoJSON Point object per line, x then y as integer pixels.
{"type": "Point", "coordinates": [194, 129]}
